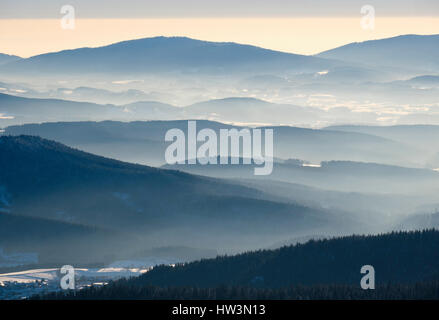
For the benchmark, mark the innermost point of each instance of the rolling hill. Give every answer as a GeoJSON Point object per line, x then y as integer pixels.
{"type": "Point", "coordinates": [425, 137]}
{"type": "Point", "coordinates": [417, 53]}
{"type": "Point", "coordinates": [143, 142]}
{"type": "Point", "coordinates": [44, 179]}
{"type": "Point", "coordinates": [252, 111]}
{"type": "Point", "coordinates": [162, 54]}
{"type": "Point", "coordinates": [342, 176]}
{"type": "Point", "coordinates": [19, 110]}
{"type": "Point", "coordinates": [6, 58]}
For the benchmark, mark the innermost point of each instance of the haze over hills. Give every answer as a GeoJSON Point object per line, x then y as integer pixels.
{"type": "Point", "coordinates": [253, 111]}
{"type": "Point", "coordinates": [143, 142]}
{"type": "Point", "coordinates": [386, 211]}
{"type": "Point", "coordinates": [16, 109]}
{"type": "Point", "coordinates": [101, 96]}
{"type": "Point", "coordinates": [27, 110]}
{"type": "Point", "coordinates": [343, 176]}
{"type": "Point", "coordinates": [68, 119]}
{"type": "Point", "coordinates": [322, 269]}
{"type": "Point", "coordinates": [423, 136]}
{"type": "Point", "coordinates": [415, 53]}
{"type": "Point", "coordinates": [44, 179]}
{"type": "Point", "coordinates": [341, 186]}
{"type": "Point", "coordinates": [306, 90]}
{"type": "Point", "coordinates": [162, 54]}
{"type": "Point", "coordinates": [20, 106]}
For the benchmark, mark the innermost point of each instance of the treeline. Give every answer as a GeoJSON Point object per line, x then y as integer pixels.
{"type": "Point", "coordinates": [124, 289]}
{"type": "Point", "coordinates": [398, 257]}
{"type": "Point", "coordinates": [406, 267]}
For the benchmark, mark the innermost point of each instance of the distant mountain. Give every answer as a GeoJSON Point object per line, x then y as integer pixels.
{"type": "Point", "coordinates": [102, 96]}
{"type": "Point", "coordinates": [6, 58]}
{"type": "Point", "coordinates": [153, 110]}
{"type": "Point", "coordinates": [137, 142]}
{"type": "Point", "coordinates": [424, 137]}
{"type": "Point", "coordinates": [416, 53]}
{"type": "Point", "coordinates": [315, 145]}
{"type": "Point", "coordinates": [143, 142]}
{"type": "Point", "coordinates": [163, 54]}
{"type": "Point", "coordinates": [410, 134]}
{"type": "Point", "coordinates": [19, 104]}
{"type": "Point", "coordinates": [342, 176]}
{"type": "Point", "coordinates": [374, 209]}
{"type": "Point", "coordinates": [252, 111]}
{"type": "Point", "coordinates": [233, 110]}
{"type": "Point", "coordinates": [45, 179]}
{"type": "Point", "coordinates": [19, 110]}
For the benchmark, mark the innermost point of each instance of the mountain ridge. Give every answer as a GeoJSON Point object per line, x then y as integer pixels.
{"type": "Point", "coordinates": [160, 54]}
{"type": "Point", "coordinates": [409, 52]}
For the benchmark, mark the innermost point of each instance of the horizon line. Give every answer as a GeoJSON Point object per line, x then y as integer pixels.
{"type": "Point", "coordinates": [210, 41]}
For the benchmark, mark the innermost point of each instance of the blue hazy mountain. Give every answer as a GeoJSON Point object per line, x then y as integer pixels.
{"type": "Point", "coordinates": [45, 179]}
{"type": "Point", "coordinates": [409, 52]}
{"type": "Point", "coordinates": [19, 110]}
{"type": "Point", "coordinates": [252, 111]}
{"type": "Point", "coordinates": [6, 58]}
{"type": "Point", "coordinates": [25, 110]}
{"type": "Point", "coordinates": [235, 110]}
{"type": "Point", "coordinates": [102, 96]}
{"type": "Point", "coordinates": [344, 176]}
{"type": "Point", "coordinates": [143, 141]}
{"type": "Point", "coordinates": [167, 54]}
{"type": "Point", "coordinates": [425, 136]}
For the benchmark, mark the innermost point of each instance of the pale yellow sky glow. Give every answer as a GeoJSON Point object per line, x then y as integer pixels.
{"type": "Point", "coordinates": [27, 37]}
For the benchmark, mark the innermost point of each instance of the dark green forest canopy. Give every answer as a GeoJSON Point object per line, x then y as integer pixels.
{"type": "Point", "coordinates": [406, 266]}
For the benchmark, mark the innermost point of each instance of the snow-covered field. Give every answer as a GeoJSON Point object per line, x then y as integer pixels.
{"type": "Point", "coordinates": [20, 285]}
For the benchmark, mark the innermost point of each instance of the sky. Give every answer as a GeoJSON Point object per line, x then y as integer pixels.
{"type": "Point", "coordinates": [29, 27]}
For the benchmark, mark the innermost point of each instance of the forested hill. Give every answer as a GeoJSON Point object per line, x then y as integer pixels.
{"type": "Point", "coordinates": [399, 259]}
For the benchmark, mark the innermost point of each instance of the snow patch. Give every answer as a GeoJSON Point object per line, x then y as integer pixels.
{"type": "Point", "coordinates": [23, 284]}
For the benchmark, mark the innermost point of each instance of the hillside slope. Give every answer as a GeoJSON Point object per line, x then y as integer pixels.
{"type": "Point", "coordinates": [42, 178]}
{"type": "Point", "coordinates": [398, 259]}
{"type": "Point", "coordinates": [163, 54]}
{"type": "Point", "coordinates": [410, 52]}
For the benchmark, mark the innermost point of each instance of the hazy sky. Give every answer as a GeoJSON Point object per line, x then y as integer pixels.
{"type": "Point", "coordinates": [29, 27]}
